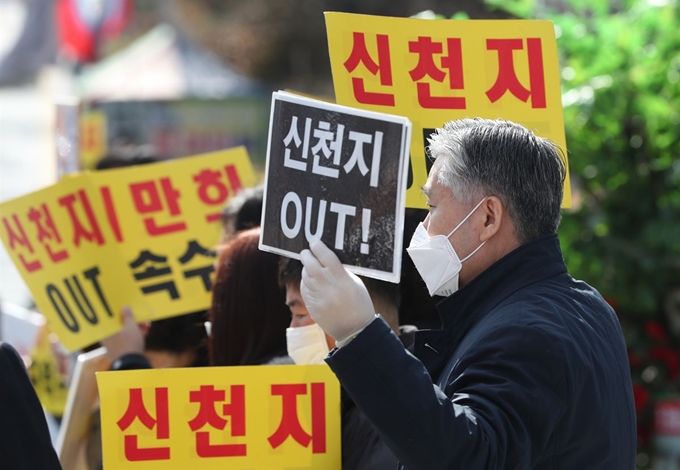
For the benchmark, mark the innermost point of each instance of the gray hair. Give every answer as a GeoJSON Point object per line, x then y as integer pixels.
{"type": "Point", "coordinates": [480, 157]}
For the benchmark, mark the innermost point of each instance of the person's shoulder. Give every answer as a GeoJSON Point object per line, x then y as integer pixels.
{"type": "Point", "coordinates": [519, 322]}
{"type": "Point", "coordinates": [569, 319]}
{"type": "Point", "coordinates": [524, 328]}
{"type": "Point", "coordinates": [543, 305]}
{"type": "Point", "coordinates": [530, 311]}
{"type": "Point", "coordinates": [7, 349]}
{"type": "Point", "coordinates": [8, 355]}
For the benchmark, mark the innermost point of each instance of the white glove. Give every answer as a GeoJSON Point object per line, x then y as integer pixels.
{"type": "Point", "coordinates": [335, 298]}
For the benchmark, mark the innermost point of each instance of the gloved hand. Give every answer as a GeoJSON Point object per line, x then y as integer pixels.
{"type": "Point", "coordinates": [335, 298]}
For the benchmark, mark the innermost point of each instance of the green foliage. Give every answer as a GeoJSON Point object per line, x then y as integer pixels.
{"type": "Point", "coordinates": [620, 65]}
{"type": "Point", "coordinates": [621, 84]}
{"type": "Point", "coordinates": [518, 8]}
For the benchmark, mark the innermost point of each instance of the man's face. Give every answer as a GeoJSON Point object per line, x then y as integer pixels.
{"type": "Point", "coordinates": [445, 213]}
{"type": "Point", "coordinates": [298, 310]}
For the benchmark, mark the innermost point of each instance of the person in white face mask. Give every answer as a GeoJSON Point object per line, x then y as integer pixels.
{"type": "Point", "coordinates": [362, 448]}
{"type": "Point", "coordinates": [530, 368]}
{"type": "Point", "coordinates": [435, 258]}
{"type": "Point", "coordinates": [307, 343]}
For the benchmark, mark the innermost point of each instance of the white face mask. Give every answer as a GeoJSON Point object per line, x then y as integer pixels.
{"type": "Point", "coordinates": [307, 344]}
{"type": "Point", "coordinates": [436, 260]}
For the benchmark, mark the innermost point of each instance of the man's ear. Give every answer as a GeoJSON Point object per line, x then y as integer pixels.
{"type": "Point", "coordinates": [494, 216]}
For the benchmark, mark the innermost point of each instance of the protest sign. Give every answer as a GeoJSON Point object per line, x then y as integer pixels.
{"type": "Point", "coordinates": [435, 71]}
{"type": "Point", "coordinates": [337, 174]}
{"type": "Point", "coordinates": [138, 237]}
{"type": "Point", "coordinates": [92, 131]}
{"type": "Point", "coordinates": [169, 222]}
{"type": "Point", "coordinates": [221, 418]}
{"type": "Point", "coordinates": [48, 378]}
{"type": "Point", "coordinates": [76, 432]}
{"type": "Point", "coordinates": [62, 242]}
{"type": "Point", "coordinates": [165, 129]}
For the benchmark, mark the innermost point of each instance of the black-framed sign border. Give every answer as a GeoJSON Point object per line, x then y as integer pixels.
{"type": "Point", "coordinates": [395, 275]}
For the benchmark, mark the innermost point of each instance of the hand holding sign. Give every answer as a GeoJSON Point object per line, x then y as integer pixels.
{"type": "Point", "coordinates": [336, 299]}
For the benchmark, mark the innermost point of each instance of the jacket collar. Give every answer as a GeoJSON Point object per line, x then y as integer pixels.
{"type": "Point", "coordinates": [532, 262]}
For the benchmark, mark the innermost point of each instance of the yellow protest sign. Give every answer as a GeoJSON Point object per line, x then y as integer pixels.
{"type": "Point", "coordinates": [138, 236]}
{"type": "Point", "coordinates": [434, 71]}
{"type": "Point", "coordinates": [264, 417]}
{"type": "Point", "coordinates": [47, 379]}
{"type": "Point", "coordinates": [93, 139]}
{"type": "Point", "coordinates": [169, 221]}
{"type": "Point", "coordinates": [61, 242]}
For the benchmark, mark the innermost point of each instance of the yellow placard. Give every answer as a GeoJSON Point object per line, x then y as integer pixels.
{"type": "Point", "coordinates": [259, 417]}
{"type": "Point", "coordinates": [47, 379]}
{"type": "Point", "coordinates": [169, 223]}
{"type": "Point", "coordinates": [93, 137]}
{"type": "Point", "coordinates": [61, 242]}
{"type": "Point", "coordinates": [139, 236]}
{"type": "Point", "coordinates": [435, 71]}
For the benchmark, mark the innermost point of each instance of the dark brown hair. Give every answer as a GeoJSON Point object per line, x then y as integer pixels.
{"type": "Point", "coordinates": [290, 272]}
{"type": "Point", "coordinates": [248, 313]}
{"type": "Point", "coordinates": [180, 334]}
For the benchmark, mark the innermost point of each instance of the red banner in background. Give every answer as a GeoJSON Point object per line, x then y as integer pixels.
{"type": "Point", "coordinates": [81, 24]}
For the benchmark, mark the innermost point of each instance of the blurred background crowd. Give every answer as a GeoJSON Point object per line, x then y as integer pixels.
{"type": "Point", "coordinates": [203, 75]}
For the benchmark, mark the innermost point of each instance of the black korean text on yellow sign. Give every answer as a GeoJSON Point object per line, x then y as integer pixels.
{"type": "Point", "coordinates": [221, 418]}
{"type": "Point", "coordinates": [434, 71]}
{"type": "Point", "coordinates": [169, 223]}
{"type": "Point", "coordinates": [141, 237]}
{"type": "Point", "coordinates": [65, 251]}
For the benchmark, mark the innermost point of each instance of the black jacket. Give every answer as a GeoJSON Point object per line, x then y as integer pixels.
{"type": "Point", "coordinates": [362, 447]}
{"type": "Point", "coordinates": [531, 372]}
{"type": "Point", "coordinates": [24, 438]}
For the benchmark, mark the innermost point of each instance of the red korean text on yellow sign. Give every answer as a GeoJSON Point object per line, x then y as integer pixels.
{"type": "Point", "coordinates": [60, 240]}
{"type": "Point", "coordinates": [435, 71]}
{"type": "Point", "coordinates": [259, 417]}
{"type": "Point", "coordinates": [169, 217]}
{"type": "Point", "coordinates": [77, 244]}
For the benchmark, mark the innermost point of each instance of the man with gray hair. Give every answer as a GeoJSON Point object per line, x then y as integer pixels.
{"type": "Point", "coordinates": [530, 368]}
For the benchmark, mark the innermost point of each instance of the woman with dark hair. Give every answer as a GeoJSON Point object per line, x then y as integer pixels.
{"type": "Point", "coordinates": [248, 313]}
